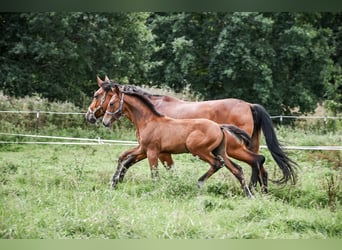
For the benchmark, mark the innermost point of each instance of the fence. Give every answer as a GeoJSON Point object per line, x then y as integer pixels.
{"type": "Point", "coordinates": [99, 141]}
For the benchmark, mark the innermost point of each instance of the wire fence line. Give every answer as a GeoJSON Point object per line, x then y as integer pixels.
{"type": "Point", "coordinates": [41, 112]}
{"type": "Point", "coordinates": [99, 141]}
{"type": "Point", "coordinates": [280, 117]}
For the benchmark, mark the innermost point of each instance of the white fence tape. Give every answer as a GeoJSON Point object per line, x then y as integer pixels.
{"type": "Point", "coordinates": [41, 112]}
{"type": "Point", "coordinates": [94, 141]}
{"type": "Point", "coordinates": [99, 141]}
{"type": "Point", "coordinates": [306, 117]}
{"type": "Point", "coordinates": [329, 148]}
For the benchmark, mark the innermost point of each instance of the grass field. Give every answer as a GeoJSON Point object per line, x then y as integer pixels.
{"type": "Point", "coordinates": [55, 192]}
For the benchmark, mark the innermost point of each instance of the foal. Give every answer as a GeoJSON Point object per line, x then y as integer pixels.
{"type": "Point", "coordinates": [160, 134]}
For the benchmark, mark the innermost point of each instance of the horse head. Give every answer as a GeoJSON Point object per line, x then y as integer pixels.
{"type": "Point", "coordinates": [101, 99]}
{"type": "Point", "coordinates": [114, 108]}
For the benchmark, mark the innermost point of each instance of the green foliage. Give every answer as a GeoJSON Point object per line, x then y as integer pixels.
{"type": "Point", "coordinates": [58, 55]}
{"type": "Point", "coordinates": [284, 61]}
{"type": "Point", "coordinates": [281, 60]}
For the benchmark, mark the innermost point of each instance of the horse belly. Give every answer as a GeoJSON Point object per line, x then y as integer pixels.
{"type": "Point", "coordinates": [173, 143]}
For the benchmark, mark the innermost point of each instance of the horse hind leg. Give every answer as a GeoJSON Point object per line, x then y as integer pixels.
{"type": "Point", "coordinates": [213, 169]}
{"type": "Point", "coordinates": [259, 174]}
{"type": "Point", "coordinates": [263, 175]}
{"type": "Point", "coordinates": [235, 169]}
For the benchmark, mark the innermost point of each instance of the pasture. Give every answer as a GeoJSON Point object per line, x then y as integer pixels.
{"type": "Point", "coordinates": [63, 191]}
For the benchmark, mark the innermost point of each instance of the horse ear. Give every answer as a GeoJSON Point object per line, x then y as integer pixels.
{"type": "Point", "coordinates": [107, 79]}
{"type": "Point", "coordinates": [99, 81]}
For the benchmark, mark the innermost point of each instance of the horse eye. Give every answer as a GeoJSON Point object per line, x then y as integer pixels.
{"type": "Point", "coordinates": [111, 104]}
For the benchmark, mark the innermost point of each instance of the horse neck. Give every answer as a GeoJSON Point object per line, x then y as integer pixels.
{"type": "Point", "coordinates": [159, 100]}
{"type": "Point", "coordinates": [138, 112]}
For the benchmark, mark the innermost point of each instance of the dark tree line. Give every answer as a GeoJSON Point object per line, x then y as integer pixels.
{"type": "Point", "coordinates": [280, 60]}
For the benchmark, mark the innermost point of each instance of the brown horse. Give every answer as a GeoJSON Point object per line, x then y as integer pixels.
{"type": "Point", "coordinates": [161, 134]}
{"type": "Point", "coordinates": [99, 104]}
{"type": "Point", "coordinates": [250, 117]}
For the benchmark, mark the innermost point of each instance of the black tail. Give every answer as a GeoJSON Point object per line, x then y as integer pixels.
{"type": "Point", "coordinates": [262, 120]}
{"type": "Point", "coordinates": [238, 133]}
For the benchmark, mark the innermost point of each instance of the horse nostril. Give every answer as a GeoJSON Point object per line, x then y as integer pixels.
{"type": "Point", "coordinates": [90, 118]}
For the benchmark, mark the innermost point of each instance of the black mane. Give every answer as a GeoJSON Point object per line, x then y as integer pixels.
{"type": "Point", "coordinates": [108, 85]}
{"type": "Point", "coordinates": [137, 90]}
{"type": "Point", "coordinates": [134, 91]}
{"type": "Point", "coordinates": [144, 100]}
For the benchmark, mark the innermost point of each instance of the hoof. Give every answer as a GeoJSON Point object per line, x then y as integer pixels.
{"type": "Point", "coordinates": [200, 184]}
{"type": "Point", "coordinates": [264, 190]}
{"type": "Point", "coordinates": [114, 183]}
{"type": "Point", "coordinates": [249, 194]}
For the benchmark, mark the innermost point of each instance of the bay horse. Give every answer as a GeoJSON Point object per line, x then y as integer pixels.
{"type": "Point", "coordinates": [99, 105]}
{"type": "Point", "coordinates": [158, 133]}
{"type": "Point", "coordinates": [252, 118]}
{"type": "Point", "coordinates": [100, 102]}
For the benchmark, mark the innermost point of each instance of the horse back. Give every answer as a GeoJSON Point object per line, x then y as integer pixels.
{"type": "Point", "coordinates": [223, 111]}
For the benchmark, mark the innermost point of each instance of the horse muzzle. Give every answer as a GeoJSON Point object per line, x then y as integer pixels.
{"type": "Point", "coordinates": [106, 122]}
{"type": "Point", "coordinates": [90, 117]}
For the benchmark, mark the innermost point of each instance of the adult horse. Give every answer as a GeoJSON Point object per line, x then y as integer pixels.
{"type": "Point", "coordinates": [161, 134]}
{"type": "Point", "coordinates": [100, 102]}
{"type": "Point", "coordinates": [250, 117]}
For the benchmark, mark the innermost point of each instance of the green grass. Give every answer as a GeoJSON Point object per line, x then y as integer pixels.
{"type": "Point", "coordinates": [56, 192]}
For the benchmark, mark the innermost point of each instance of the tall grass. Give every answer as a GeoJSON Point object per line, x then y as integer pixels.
{"type": "Point", "coordinates": [64, 191]}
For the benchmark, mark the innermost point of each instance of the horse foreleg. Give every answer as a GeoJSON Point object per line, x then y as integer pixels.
{"type": "Point", "coordinates": [166, 160]}
{"type": "Point", "coordinates": [131, 159]}
{"type": "Point", "coordinates": [152, 157]}
{"type": "Point", "coordinates": [126, 160]}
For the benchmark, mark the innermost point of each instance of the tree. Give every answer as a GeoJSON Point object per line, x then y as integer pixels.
{"type": "Point", "coordinates": [280, 60]}
{"type": "Point", "coordinates": [58, 55]}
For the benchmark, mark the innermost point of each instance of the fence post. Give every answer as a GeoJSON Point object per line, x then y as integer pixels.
{"type": "Point", "coordinates": [281, 120]}
{"type": "Point", "coordinates": [37, 123]}
{"type": "Point", "coordinates": [325, 124]}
